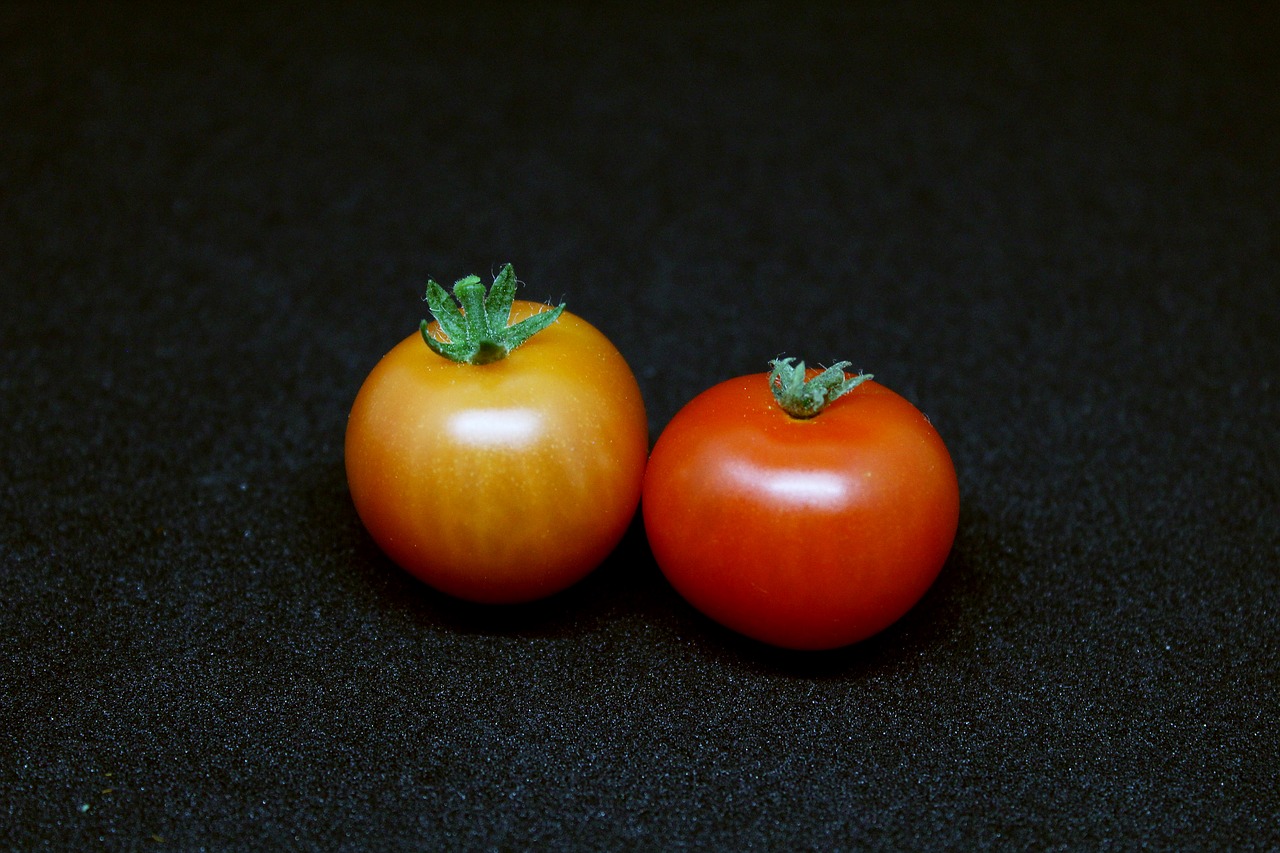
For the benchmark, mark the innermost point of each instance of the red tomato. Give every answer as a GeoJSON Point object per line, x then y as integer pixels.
{"type": "Point", "coordinates": [806, 533]}
{"type": "Point", "coordinates": [505, 481]}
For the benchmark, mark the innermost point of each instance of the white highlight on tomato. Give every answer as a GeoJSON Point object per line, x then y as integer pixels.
{"type": "Point", "coordinates": [797, 486]}
{"type": "Point", "coordinates": [495, 427]}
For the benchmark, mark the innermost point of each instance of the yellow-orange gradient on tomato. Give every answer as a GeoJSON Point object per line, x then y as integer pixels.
{"type": "Point", "coordinates": [500, 482]}
{"type": "Point", "coordinates": [806, 533]}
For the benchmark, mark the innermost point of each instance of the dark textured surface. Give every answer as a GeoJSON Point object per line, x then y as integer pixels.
{"type": "Point", "coordinates": [1055, 231]}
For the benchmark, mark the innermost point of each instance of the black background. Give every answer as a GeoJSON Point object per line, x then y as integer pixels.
{"type": "Point", "coordinates": [1056, 231]}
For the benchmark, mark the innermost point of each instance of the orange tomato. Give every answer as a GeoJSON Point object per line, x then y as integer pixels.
{"type": "Point", "coordinates": [506, 481]}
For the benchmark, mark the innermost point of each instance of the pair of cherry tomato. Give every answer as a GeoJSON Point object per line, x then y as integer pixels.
{"type": "Point", "coordinates": [500, 454]}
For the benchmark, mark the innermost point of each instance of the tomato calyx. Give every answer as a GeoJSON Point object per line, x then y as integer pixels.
{"type": "Point", "coordinates": [475, 321]}
{"type": "Point", "coordinates": [803, 398]}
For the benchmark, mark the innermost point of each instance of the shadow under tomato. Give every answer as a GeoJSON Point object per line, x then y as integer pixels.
{"type": "Point", "coordinates": [602, 595]}
{"type": "Point", "coordinates": [941, 619]}
{"type": "Point", "coordinates": [628, 587]}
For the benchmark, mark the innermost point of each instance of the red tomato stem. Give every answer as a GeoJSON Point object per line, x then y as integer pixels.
{"type": "Point", "coordinates": [803, 396]}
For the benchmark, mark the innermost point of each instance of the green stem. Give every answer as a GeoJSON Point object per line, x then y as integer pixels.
{"type": "Point", "coordinates": [475, 321]}
{"type": "Point", "coordinates": [804, 398]}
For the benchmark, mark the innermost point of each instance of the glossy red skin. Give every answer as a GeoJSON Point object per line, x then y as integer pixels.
{"type": "Point", "coordinates": [803, 533]}
{"type": "Point", "coordinates": [504, 482]}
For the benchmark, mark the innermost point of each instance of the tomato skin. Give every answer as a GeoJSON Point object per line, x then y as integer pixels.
{"type": "Point", "coordinates": [807, 533]}
{"type": "Point", "coordinates": [503, 482]}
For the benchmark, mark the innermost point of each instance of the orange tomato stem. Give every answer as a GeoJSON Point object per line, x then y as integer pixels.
{"type": "Point", "coordinates": [802, 396]}
{"type": "Point", "coordinates": [475, 321]}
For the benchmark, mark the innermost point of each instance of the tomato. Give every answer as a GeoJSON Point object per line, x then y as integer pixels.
{"type": "Point", "coordinates": [504, 480]}
{"type": "Point", "coordinates": [809, 532]}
